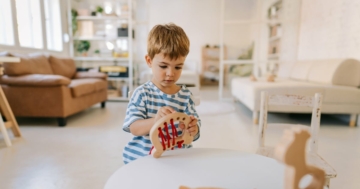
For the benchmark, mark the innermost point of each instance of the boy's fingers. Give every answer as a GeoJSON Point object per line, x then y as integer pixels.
{"type": "Point", "coordinates": [182, 126]}
{"type": "Point", "coordinates": [170, 109]}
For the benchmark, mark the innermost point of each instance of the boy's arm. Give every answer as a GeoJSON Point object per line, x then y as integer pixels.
{"type": "Point", "coordinates": [142, 127]}
{"type": "Point", "coordinates": [190, 110]}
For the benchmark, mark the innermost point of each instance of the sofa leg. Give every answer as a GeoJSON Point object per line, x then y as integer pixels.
{"type": "Point", "coordinates": [352, 120]}
{"type": "Point", "coordinates": [61, 121]}
{"type": "Point", "coordinates": [103, 104]}
{"type": "Point", "coordinates": [255, 117]}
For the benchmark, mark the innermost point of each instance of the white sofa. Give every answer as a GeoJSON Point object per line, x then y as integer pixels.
{"type": "Point", "coordinates": [337, 79]}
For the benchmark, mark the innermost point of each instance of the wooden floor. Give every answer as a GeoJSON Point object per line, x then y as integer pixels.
{"type": "Point", "coordinates": [89, 149]}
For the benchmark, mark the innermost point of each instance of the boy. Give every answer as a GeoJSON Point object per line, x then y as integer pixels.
{"type": "Point", "coordinates": [167, 49]}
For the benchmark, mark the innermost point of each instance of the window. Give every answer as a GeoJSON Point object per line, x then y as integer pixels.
{"type": "Point", "coordinates": [29, 23]}
{"type": "Point", "coordinates": [6, 23]}
{"type": "Point", "coordinates": [53, 25]}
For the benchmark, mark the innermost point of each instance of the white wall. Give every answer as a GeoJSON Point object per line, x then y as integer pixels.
{"type": "Point", "coordinates": [329, 29]}
{"type": "Point", "coordinates": [200, 20]}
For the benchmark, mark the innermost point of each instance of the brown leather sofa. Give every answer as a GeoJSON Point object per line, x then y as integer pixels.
{"type": "Point", "coordinates": [50, 87]}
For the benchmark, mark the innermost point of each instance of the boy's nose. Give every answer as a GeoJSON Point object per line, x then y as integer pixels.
{"type": "Point", "coordinates": [170, 72]}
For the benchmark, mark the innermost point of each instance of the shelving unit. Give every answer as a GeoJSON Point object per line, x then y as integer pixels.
{"type": "Point", "coordinates": [275, 33]}
{"type": "Point", "coordinates": [111, 41]}
{"type": "Point", "coordinates": [226, 63]}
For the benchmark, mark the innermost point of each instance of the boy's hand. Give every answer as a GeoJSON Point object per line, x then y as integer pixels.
{"type": "Point", "coordinates": [192, 129]}
{"type": "Point", "coordinates": [163, 111]}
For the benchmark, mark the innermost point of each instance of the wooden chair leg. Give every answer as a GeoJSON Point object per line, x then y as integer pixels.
{"type": "Point", "coordinates": [8, 114]}
{"type": "Point", "coordinates": [61, 121]}
{"type": "Point", "coordinates": [327, 183]}
{"type": "Point", "coordinates": [352, 122]}
{"type": "Point", "coordinates": [5, 133]}
{"type": "Point", "coordinates": [255, 117]}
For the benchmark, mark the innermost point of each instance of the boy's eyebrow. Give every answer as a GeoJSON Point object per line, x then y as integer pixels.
{"type": "Point", "coordinates": [179, 64]}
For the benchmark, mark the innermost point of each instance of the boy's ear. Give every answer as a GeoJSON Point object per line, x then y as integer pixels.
{"type": "Point", "coordinates": [148, 60]}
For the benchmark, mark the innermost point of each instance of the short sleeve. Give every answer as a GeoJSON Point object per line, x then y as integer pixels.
{"type": "Point", "coordinates": [190, 110]}
{"type": "Point", "coordinates": [136, 109]}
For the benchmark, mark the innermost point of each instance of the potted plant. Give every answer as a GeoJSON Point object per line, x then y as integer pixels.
{"type": "Point", "coordinates": [83, 47]}
{"type": "Point", "coordinates": [97, 52]}
{"type": "Point", "coordinates": [74, 15]}
{"type": "Point", "coordinates": [99, 11]}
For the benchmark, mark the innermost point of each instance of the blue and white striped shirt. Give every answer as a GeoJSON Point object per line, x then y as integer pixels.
{"type": "Point", "coordinates": [144, 104]}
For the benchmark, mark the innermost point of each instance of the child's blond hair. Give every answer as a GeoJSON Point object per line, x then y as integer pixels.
{"type": "Point", "coordinates": [169, 39]}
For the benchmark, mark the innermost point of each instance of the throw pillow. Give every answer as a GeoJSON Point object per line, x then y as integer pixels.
{"type": "Point", "coordinates": [63, 66]}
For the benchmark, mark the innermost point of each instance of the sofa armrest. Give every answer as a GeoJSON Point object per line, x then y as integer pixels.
{"type": "Point", "coordinates": [41, 80]}
{"type": "Point", "coordinates": [81, 75]}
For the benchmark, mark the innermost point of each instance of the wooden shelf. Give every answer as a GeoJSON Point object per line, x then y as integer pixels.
{"type": "Point", "coordinates": [238, 62]}
{"type": "Point", "coordinates": [102, 18]}
{"type": "Point", "coordinates": [240, 22]}
{"type": "Point", "coordinates": [274, 38]}
{"type": "Point", "coordinates": [273, 56]}
{"type": "Point", "coordinates": [99, 38]}
{"type": "Point", "coordinates": [100, 59]}
{"type": "Point", "coordinates": [9, 59]}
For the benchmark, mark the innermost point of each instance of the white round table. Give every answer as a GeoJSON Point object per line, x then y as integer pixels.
{"type": "Point", "coordinates": [200, 167]}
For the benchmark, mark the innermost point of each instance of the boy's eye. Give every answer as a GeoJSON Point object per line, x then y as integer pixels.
{"type": "Point", "coordinates": [163, 67]}
{"type": "Point", "coordinates": [178, 68]}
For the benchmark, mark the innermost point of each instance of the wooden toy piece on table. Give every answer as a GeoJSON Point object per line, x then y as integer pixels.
{"type": "Point", "coordinates": [185, 187]}
{"type": "Point", "coordinates": [270, 78]}
{"type": "Point", "coordinates": [163, 141]}
{"type": "Point", "coordinates": [291, 151]}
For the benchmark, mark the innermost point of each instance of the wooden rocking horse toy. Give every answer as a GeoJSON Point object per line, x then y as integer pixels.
{"type": "Point", "coordinates": [291, 151]}
{"type": "Point", "coordinates": [163, 142]}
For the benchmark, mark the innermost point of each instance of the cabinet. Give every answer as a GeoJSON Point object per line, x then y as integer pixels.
{"type": "Point", "coordinates": [101, 40]}
{"type": "Point", "coordinates": [210, 65]}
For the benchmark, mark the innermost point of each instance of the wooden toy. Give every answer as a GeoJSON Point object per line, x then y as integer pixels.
{"type": "Point", "coordinates": [271, 101]}
{"type": "Point", "coordinates": [291, 151]}
{"type": "Point", "coordinates": [162, 142]}
{"type": "Point", "coordinates": [253, 78]}
{"type": "Point", "coordinates": [270, 78]}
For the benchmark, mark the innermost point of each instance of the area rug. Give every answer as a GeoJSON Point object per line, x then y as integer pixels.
{"type": "Point", "coordinates": [213, 108]}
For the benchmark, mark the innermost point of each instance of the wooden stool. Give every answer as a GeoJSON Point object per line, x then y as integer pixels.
{"type": "Point", "coordinates": [6, 110]}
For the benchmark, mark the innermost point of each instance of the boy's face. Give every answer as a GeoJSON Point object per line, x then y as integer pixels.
{"type": "Point", "coordinates": [165, 71]}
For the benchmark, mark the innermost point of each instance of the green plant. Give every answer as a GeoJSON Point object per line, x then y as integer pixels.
{"type": "Point", "coordinates": [99, 9]}
{"type": "Point", "coordinates": [83, 46]}
{"type": "Point", "coordinates": [97, 51]}
{"type": "Point", "coordinates": [74, 25]}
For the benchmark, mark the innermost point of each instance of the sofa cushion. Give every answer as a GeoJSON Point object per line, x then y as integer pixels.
{"type": "Point", "coordinates": [37, 80]}
{"type": "Point", "coordinates": [80, 87]}
{"type": "Point", "coordinates": [248, 91]}
{"type": "Point", "coordinates": [336, 71]}
{"type": "Point", "coordinates": [17, 69]}
{"type": "Point", "coordinates": [300, 70]}
{"type": "Point", "coordinates": [28, 65]}
{"type": "Point", "coordinates": [285, 70]}
{"type": "Point", "coordinates": [63, 66]}
{"type": "Point", "coordinates": [40, 65]}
